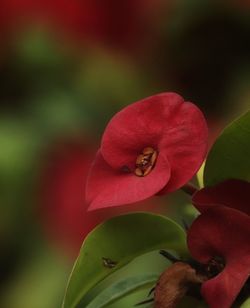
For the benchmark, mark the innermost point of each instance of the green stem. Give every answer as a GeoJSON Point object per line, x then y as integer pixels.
{"type": "Point", "coordinates": [189, 189]}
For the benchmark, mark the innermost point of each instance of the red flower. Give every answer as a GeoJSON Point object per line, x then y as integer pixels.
{"type": "Point", "coordinates": [231, 193]}
{"type": "Point", "coordinates": [154, 145]}
{"type": "Point", "coordinates": [63, 212]}
{"type": "Point", "coordinates": [220, 236]}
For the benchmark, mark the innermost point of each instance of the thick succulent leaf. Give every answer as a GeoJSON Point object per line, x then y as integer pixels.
{"type": "Point", "coordinates": [229, 156]}
{"type": "Point", "coordinates": [115, 243]}
{"type": "Point", "coordinates": [122, 288]}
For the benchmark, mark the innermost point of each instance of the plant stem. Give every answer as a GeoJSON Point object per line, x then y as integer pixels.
{"type": "Point", "coordinates": [189, 189]}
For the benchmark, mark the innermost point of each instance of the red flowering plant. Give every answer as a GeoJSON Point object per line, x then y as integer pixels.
{"type": "Point", "coordinates": [220, 239]}
{"type": "Point", "coordinates": [155, 147]}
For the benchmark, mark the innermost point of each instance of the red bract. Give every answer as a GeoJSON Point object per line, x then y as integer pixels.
{"type": "Point", "coordinates": [222, 232]}
{"type": "Point", "coordinates": [154, 145]}
{"type": "Point", "coordinates": [231, 193]}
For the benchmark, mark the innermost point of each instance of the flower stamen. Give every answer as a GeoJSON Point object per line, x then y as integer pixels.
{"type": "Point", "coordinates": [145, 162]}
{"type": "Point", "coordinates": [214, 266]}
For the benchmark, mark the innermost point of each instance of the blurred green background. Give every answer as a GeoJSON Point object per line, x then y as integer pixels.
{"type": "Point", "coordinates": [65, 68]}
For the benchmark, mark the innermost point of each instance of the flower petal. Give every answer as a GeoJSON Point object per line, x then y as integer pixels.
{"type": "Point", "coordinates": [137, 126]}
{"type": "Point", "coordinates": [232, 193]}
{"type": "Point", "coordinates": [107, 187]}
{"type": "Point", "coordinates": [185, 142]}
{"type": "Point", "coordinates": [221, 291]}
{"type": "Point", "coordinates": [223, 232]}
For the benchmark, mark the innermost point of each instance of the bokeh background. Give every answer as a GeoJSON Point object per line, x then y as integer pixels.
{"type": "Point", "coordinates": [65, 68]}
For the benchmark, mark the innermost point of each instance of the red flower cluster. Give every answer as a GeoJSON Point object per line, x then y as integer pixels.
{"type": "Point", "coordinates": [152, 146]}
{"type": "Point", "coordinates": [221, 235]}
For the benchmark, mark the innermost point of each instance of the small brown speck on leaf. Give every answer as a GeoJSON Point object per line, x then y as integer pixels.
{"type": "Point", "coordinates": [174, 283]}
{"type": "Point", "coordinates": [108, 262]}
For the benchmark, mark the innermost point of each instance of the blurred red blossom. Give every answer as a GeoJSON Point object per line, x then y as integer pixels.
{"type": "Point", "coordinates": [63, 208]}
{"type": "Point", "coordinates": [15, 15]}
{"type": "Point", "coordinates": [120, 24]}
{"type": "Point", "coordinates": [154, 145]}
{"type": "Point", "coordinates": [220, 236]}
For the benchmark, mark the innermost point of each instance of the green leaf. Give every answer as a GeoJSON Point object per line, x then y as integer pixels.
{"type": "Point", "coordinates": [229, 156]}
{"type": "Point", "coordinates": [120, 240]}
{"type": "Point", "coordinates": [199, 176]}
{"type": "Point", "coordinates": [246, 304]}
{"type": "Point", "coordinates": [122, 288]}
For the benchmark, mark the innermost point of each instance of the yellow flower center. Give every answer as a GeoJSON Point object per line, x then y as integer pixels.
{"type": "Point", "coordinates": [145, 162]}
